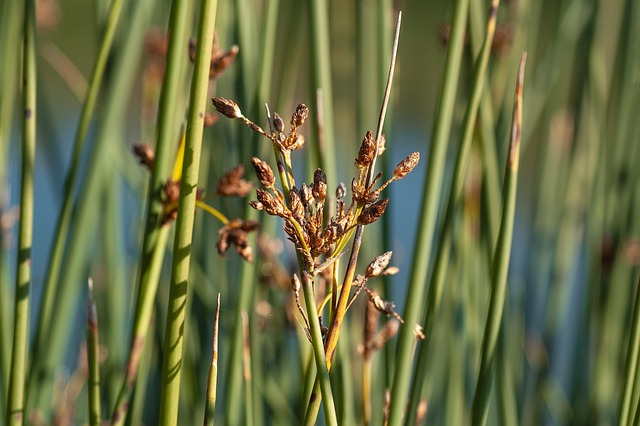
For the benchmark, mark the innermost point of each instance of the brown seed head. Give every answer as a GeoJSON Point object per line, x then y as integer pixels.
{"type": "Point", "coordinates": [220, 62]}
{"type": "Point", "coordinates": [373, 212]}
{"type": "Point", "coordinates": [231, 183]}
{"type": "Point", "coordinates": [145, 155]}
{"type": "Point", "coordinates": [227, 107]}
{"type": "Point", "coordinates": [301, 114]}
{"type": "Point", "coordinates": [319, 189]}
{"type": "Point", "coordinates": [171, 190]}
{"type": "Point", "coordinates": [377, 266]}
{"type": "Point", "coordinates": [257, 205]}
{"type": "Point", "coordinates": [263, 172]}
{"type": "Point", "coordinates": [367, 151]}
{"type": "Point", "coordinates": [341, 191]}
{"type": "Point", "coordinates": [406, 166]}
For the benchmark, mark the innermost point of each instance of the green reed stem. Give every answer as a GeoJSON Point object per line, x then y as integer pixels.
{"type": "Point", "coordinates": [212, 379]}
{"type": "Point", "coordinates": [15, 406]}
{"type": "Point", "coordinates": [247, 271]}
{"type": "Point", "coordinates": [625, 411]}
{"type": "Point", "coordinates": [500, 262]}
{"type": "Point", "coordinates": [321, 79]}
{"type": "Point", "coordinates": [426, 226]}
{"type": "Point", "coordinates": [93, 359]}
{"type": "Point", "coordinates": [155, 236]}
{"type": "Point", "coordinates": [64, 219]}
{"type": "Point", "coordinates": [439, 275]}
{"type": "Point", "coordinates": [174, 329]}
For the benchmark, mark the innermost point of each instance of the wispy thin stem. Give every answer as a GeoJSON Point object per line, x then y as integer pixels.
{"type": "Point", "coordinates": [93, 359]}
{"type": "Point", "coordinates": [212, 381]}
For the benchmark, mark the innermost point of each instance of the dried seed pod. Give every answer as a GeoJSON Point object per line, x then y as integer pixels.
{"type": "Point", "coordinates": [222, 61]}
{"type": "Point", "coordinates": [257, 205]}
{"type": "Point", "coordinates": [341, 191]}
{"type": "Point", "coordinates": [299, 117]}
{"type": "Point", "coordinates": [297, 209]}
{"type": "Point", "coordinates": [305, 194]}
{"type": "Point", "coordinates": [278, 124]}
{"type": "Point", "coordinates": [391, 270]}
{"type": "Point", "coordinates": [372, 212]}
{"type": "Point", "coordinates": [377, 266]}
{"type": "Point", "coordinates": [367, 151]}
{"type": "Point", "coordinates": [227, 107]}
{"type": "Point", "coordinates": [270, 204]}
{"type": "Point", "coordinates": [405, 166]}
{"type": "Point", "coordinates": [295, 283]}
{"type": "Point", "coordinates": [231, 183]}
{"type": "Point", "coordinates": [263, 172]}
{"type": "Point", "coordinates": [295, 141]}
{"type": "Point", "coordinates": [146, 155]}
{"type": "Point", "coordinates": [319, 189]}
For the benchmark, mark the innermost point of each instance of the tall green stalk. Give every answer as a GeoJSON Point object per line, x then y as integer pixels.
{"type": "Point", "coordinates": [156, 235]}
{"type": "Point", "coordinates": [500, 262]}
{"type": "Point", "coordinates": [15, 406]}
{"type": "Point", "coordinates": [624, 411]}
{"type": "Point", "coordinates": [174, 329]}
{"type": "Point", "coordinates": [212, 379]}
{"type": "Point", "coordinates": [321, 79]}
{"type": "Point", "coordinates": [438, 277]}
{"type": "Point", "coordinates": [426, 225]}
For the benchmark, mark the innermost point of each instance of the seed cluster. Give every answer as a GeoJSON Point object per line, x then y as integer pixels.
{"type": "Point", "coordinates": [318, 228]}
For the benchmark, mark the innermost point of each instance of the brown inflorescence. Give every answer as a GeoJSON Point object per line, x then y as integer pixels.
{"type": "Point", "coordinates": [232, 184]}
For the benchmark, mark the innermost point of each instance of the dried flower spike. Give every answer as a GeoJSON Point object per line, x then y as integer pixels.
{"type": "Point", "coordinates": [378, 265]}
{"type": "Point", "coordinates": [373, 212]}
{"type": "Point", "coordinates": [270, 204]}
{"type": "Point", "coordinates": [263, 172]}
{"type": "Point", "coordinates": [367, 151]}
{"type": "Point", "coordinates": [406, 166]}
{"type": "Point", "coordinates": [299, 117]}
{"type": "Point", "coordinates": [227, 107]}
{"type": "Point", "coordinates": [319, 189]}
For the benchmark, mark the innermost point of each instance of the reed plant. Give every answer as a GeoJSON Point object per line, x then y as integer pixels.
{"type": "Point", "coordinates": [229, 192]}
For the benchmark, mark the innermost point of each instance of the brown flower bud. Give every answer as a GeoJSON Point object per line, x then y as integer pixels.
{"type": "Point", "coordinates": [278, 124]}
{"type": "Point", "coordinates": [257, 205]}
{"type": "Point", "coordinates": [319, 189]}
{"type": "Point", "coordinates": [301, 114]}
{"type": "Point", "coordinates": [227, 107]}
{"type": "Point", "coordinates": [405, 166]}
{"type": "Point", "coordinates": [367, 151]}
{"type": "Point", "coordinates": [376, 267]}
{"type": "Point", "coordinates": [269, 203]}
{"type": "Point", "coordinates": [145, 154]}
{"type": "Point", "coordinates": [372, 212]}
{"type": "Point", "coordinates": [171, 191]}
{"type": "Point", "coordinates": [263, 172]}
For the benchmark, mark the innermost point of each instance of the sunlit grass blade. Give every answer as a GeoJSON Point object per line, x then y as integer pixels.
{"type": "Point", "coordinates": [174, 329]}
{"type": "Point", "coordinates": [500, 262]}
